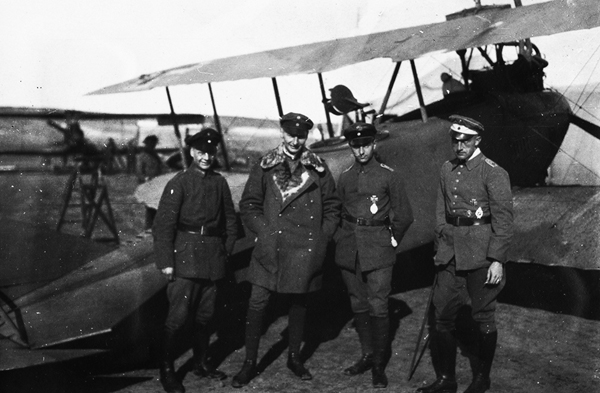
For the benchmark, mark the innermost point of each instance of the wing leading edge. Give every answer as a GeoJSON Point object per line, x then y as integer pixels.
{"type": "Point", "coordinates": [488, 27]}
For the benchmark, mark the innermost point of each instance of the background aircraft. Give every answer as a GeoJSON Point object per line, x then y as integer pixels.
{"type": "Point", "coordinates": [415, 149]}
{"type": "Point", "coordinates": [86, 136]}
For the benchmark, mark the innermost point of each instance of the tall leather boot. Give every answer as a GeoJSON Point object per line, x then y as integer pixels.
{"type": "Point", "coordinates": [296, 320]}
{"type": "Point", "coordinates": [446, 382]}
{"type": "Point", "coordinates": [168, 378]}
{"type": "Point", "coordinates": [380, 328]}
{"type": "Point", "coordinates": [487, 349]}
{"type": "Point", "coordinates": [254, 321]}
{"type": "Point", "coordinates": [362, 322]}
{"type": "Point", "coordinates": [202, 368]}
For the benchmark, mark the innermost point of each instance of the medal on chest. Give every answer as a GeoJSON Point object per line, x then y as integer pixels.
{"type": "Point", "coordinates": [374, 209]}
{"type": "Point", "coordinates": [479, 213]}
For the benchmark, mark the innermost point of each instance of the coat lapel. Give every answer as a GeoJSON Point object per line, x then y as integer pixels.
{"type": "Point", "coordinates": [310, 179]}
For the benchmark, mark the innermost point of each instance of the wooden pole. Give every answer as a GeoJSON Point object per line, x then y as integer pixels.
{"type": "Point", "coordinates": [219, 128]}
{"type": "Point", "coordinates": [277, 97]}
{"type": "Point", "coordinates": [419, 93]}
{"type": "Point", "coordinates": [176, 128]}
{"type": "Point", "coordinates": [322, 85]}
{"type": "Point", "coordinates": [389, 90]}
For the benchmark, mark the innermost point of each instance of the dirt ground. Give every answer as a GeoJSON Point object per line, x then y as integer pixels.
{"type": "Point", "coordinates": [545, 345]}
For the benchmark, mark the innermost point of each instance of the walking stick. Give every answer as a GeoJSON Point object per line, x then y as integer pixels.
{"type": "Point", "coordinates": [418, 354]}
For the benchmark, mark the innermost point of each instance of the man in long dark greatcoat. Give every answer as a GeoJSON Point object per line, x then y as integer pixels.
{"type": "Point", "coordinates": [290, 203]}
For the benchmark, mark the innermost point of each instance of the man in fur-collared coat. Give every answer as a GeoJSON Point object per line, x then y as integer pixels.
{"type": "Point", "coordinates": [290, 204]}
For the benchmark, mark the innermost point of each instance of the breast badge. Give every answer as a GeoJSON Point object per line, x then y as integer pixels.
{"type": "Point", "coordinates": [479, 213]}
{"type": "Point", "coordinates": [374, 209]}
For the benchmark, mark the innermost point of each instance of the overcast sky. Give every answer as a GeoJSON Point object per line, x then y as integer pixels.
{"type": "Point", "coordinates": [54, 52]}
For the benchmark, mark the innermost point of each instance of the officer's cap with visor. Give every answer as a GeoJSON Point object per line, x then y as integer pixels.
{"type": "Point", "coordinates": [206, 140]}
{"type": "Point", "coordinates": [464, 128]}
{"type": "Point", "coordinates": [296, 124]}
{"type": "Point", "coordinates": [360, 134]}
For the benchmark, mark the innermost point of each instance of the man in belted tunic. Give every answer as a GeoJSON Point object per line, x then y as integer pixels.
{"type": "Point", "coordinates": [474, 227]}
{"type": "Point", "coordinates": [290, 204]}
{"type": "Point", "coordinates": [375, 216]}
{"type": "Point", "coordinates": [194, 232]}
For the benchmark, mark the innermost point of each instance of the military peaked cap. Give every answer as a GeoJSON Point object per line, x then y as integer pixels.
{"type": "Point", "coordinates": [296, 124]}
{"type": "Point", "coordinates": [360, 134]}
{"type": "Point", "coordinates": [206, 140]}
{"type": "Point", "coordinates": [465, 127]}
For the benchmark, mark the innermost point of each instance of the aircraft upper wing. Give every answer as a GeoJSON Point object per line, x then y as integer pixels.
{"type": "Point", "coordinates": [489, 26]}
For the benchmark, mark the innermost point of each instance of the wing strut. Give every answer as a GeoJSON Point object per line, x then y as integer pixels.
{"type": "Point", "coordinates": [277, 97]}
{"type": "Point", "coordinates": [176, 128]}
{"type": "Point", "coordinates": [324, 97]}
{"type": "Point", "coordinates": [419, 93]}
{"type": "Point", "coordinates": [389, 90]}
{"type": "Point", "coordinates": [219, 128]}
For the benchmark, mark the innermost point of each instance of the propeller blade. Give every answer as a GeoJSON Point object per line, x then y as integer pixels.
{"type": "Point", "coordinates": [585, 125]}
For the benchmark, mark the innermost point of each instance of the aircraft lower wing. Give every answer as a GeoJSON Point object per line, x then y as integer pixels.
{"type": "Point", "coordinates": [11, 358]}
{"type": "Point", "coordinates": [557, 226]}
{"type": "Point", "coordinates": [92, 299]}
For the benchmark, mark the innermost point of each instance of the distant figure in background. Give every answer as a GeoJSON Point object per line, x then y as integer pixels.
{"type": "Point", "coordinates": [450, 84]}
{"type": "Point", "coordinates": [194, 233]}
{"type": "Point", "coordinates": [131, 156]}
{"type": "Point", "coordinates": [149, 165]}
{"type": "Point", "coordinates": [74, 139]}
{"type": "Point", "coordinates": [111, 159]}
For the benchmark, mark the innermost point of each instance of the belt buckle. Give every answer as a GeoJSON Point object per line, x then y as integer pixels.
{"type": "Point", "coordinates": [361, 221]}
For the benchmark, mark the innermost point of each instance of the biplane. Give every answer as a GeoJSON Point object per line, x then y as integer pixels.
{"type": "Point", "coordinates": [526, 123]}
{"type": "Point", "coordinates": [85, 137]}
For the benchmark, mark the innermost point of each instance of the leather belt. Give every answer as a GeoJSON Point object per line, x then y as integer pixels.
{"type": "Point", "coordinates": [366, 222]}
{"type": "Point", "coordinates": [199, 230]}
{"type": "Point", "coordinates": [467, 221]}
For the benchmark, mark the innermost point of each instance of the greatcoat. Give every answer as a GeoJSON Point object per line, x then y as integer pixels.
{"type": "Point", "coordinates": [292, 209]}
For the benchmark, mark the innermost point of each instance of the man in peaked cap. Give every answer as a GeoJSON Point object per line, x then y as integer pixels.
{"type": "Point", "coordinates": [194, 232]}
{"type": "Point", "coordinates": [376, 214]}
{"type": "Point", "coordinates": [289, 203]}
{"type": "Point", "coordinates": [205, 141]}
{"type": "Point", "coordinates": [474, 226]}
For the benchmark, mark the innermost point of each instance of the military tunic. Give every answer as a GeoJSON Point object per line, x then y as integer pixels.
{"type": "Point", "coordinates": [476, 189]}
{"type": "Point", "coordinates": [293, 210]}
{"type": "Point", "coordinates": [194, 199]}
{"type": "Point", "coordinates": [479, 190]}
{"type": "Point", "coordinates": [360, 188]}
